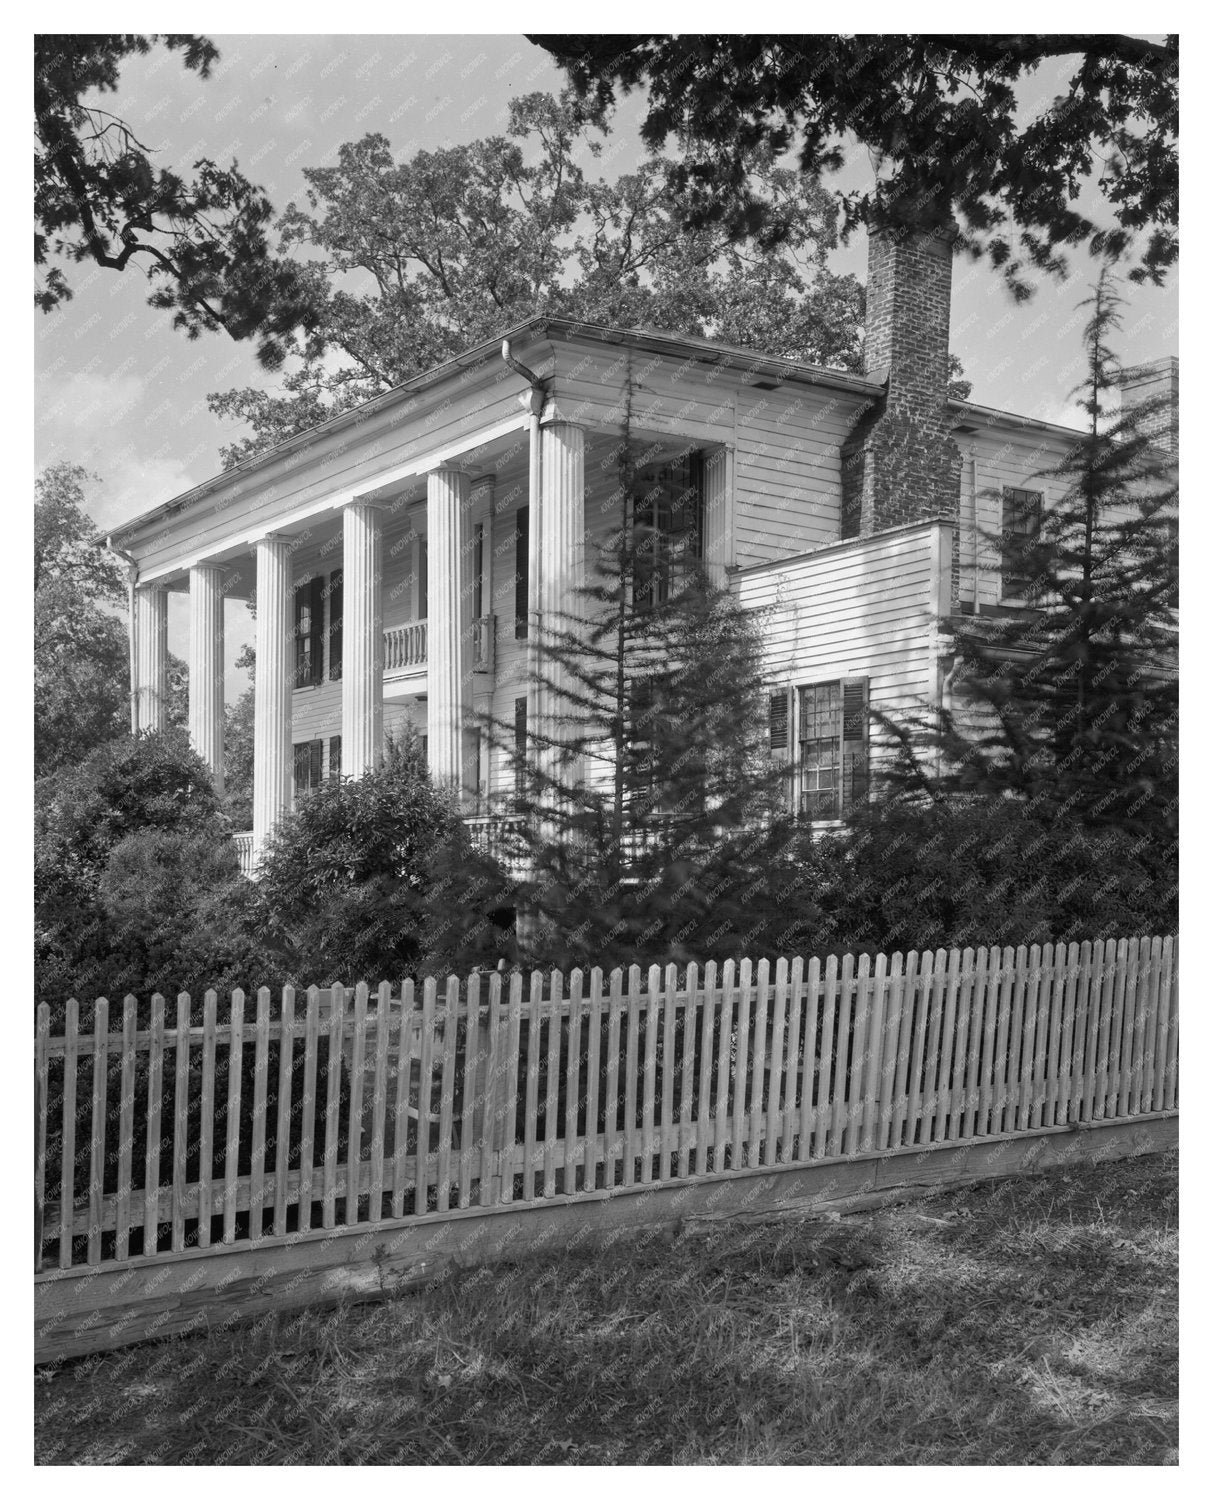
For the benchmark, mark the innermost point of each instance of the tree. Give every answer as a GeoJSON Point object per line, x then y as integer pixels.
{"type": "Point", "coordinates": [81, 692]}
{"type": "Point", "coordinates": [98, 196]}
{"type": "Point", "coordinates": [644, 797]}
{"type": "Point", "coordinates": [360, 881]}
{"type": "Point", "coordinates": [412, 262]}
{"type": "Point", "coordinates": [1071, 702]}
{"type": "Point", "coordinates": [940, 116]}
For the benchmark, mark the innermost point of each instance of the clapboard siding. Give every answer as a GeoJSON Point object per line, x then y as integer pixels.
{"type": "Point", "coordinates": [861, 609]}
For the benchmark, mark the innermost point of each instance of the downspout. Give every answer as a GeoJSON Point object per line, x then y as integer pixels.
{"type": "Point", "coordinates": [132, 574]}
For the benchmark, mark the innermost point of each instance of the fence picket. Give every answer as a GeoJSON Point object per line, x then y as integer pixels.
{"type": "Point", "coordinates": [826, 1072]}
{"type": "Point", "coordinates": [1027, 1062]}
{"type": "Point", "coordinates": [724, 1057]}
{"type": "Point", "coordinates": [589, 1170]}
{"type": "Point", "coordinates": [1079, 985]}
{"type": "Point", "coordinates": [285, 1076]}
{"type": "Point", "coordinates": [572, 1092]}
{"type": "Point", "coordinates": [474, 1103]}
{"type": "Point", "coordinates": [1171, 1074]}
{"type": "Point", "coordinates": [1103, 1053]}
{"type": "Point", "coordinates": [610, 1140]}
{"type": "Point", "coordinates": [630, 1077]}
{"type": "Point", "coordinates": [793, 1073]}
{"type": "Point", "coordinates": [332, 1103]}
{"type": "Point", "coordinates": [997, 1001]}
{"type": "Point", "coordinates": [945, 1084]}
{"type": "Point", "coordinates": [669, 1032]}
{"type": "Point", "coordinates": [1158, 1085]}
{"type": "Point", "coordinates": [1056, 980]}
{"type": "Point", "coordinates": [809, 1111]}
{"type": "Point", "coordinates": [353, 1148]}
{"type": "Point", "coordinates": [690, 1027]}
{"type": "Point", "coordinates": [1151, 1026]}
{"type": "Point", "coordinates": [206, 1124]}
{"type": "Point", "coordinates": [155, 1098]}
{"type": "Point", "coordinates": [400, 1113]}
{"type": "Point", "coordinates": [260, 1071]}
{"type": "Point", "coordinates": [908, 1005]}
{"type": "Point", "coordinates": [446, 1094]}
{"type": "Point", "coordinates": [873, 1049]}
{"type": "Point", "coordinates": [42, 1033]}
{"type": "Point", "coordinates": [1123, 1022]}
{"type": "Point", "coordinates": [531, 1123]}
{"type": "Point", "coordinates": [836, 1145]}
{"type": "Point", "coordinates": [494, 1104]}
{"type": "Point", "coordinates": [980, 1003]}
{"type": "Point", "coordinates": [307, 1124]}
{"type": "Point", "coordinates": [379, 1100]}
{"type": "Point", "coordinates": [513, 1058]}
{"type": "Point", "coordinates": [924, 1017]}
{"type": "Point", "coordinates": [775, 1110]}
{"type": "Point", "coordinates": [67, 1188]}
{"type": "Point", "coordinates": [181, 1107]}
{"type": "Point", "coordinates": [757, 1071]}
{"type": "Point", "coordinates": [1135, 992]}
{"type": "Point", "coordinates": [741, 1065]}
{"type": "Point", "coordinates": [1087, 1072]}
{"type": "Point", "coordinates": [126, 1130]}
{"type": "Point", "coordinates": [707, 1032]}
{"type": "Point", "coordinates": [858, 1069]}
{"type": "Point", "coordinates": [96, 1156]}
{"type": "Point", "coordinates": [1007, 1091]}
{"type": "Point", "coordinates": [649, 1080]}
{"type": "Point", "coordinates": [890, 1048]}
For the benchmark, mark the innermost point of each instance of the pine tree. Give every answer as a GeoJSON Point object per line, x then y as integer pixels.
{"type": "Point", "coordinates": [1071, 701]}
{"type": "Point", "coordinates": [640, 795]}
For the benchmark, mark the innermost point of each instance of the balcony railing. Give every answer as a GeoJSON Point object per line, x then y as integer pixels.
{"type": "Point", "coordinates": [406, 647]}
{"type": "Point", "coordinates": [244, 851]}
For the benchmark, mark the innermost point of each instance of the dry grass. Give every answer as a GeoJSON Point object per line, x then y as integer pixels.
{"type": "Point", "coordinates": [1031, 1321]}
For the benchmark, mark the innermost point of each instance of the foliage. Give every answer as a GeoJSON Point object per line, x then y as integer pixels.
{"type": "Point", "coordinates": [135, 880]}
{"type": "Point", "coordinates": [368, 878]}
{"type": "Point", "coordinates": [965, 871]}
{"type": "Point", "coordinates": [98, 196]}
{"type": "Point", "coordinates": [942, 119]}
{"type": "Point", "coordinates": [638, 798]}
{"type": "Point", "coordinates": [411, 262]}
{"type": "Point", "coordinates": [1073, 701]}
{"type": "Point", "coordinates": [80, 647]}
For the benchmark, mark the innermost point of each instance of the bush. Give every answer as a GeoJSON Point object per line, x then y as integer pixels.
{"type": "Point", "coordinates": [370, 878]}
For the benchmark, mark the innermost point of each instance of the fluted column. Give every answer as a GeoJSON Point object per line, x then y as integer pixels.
{"type": "Point", "coordinates": [151, 657]}
{"type": "Point", "coordinates": [273, 685]}
{"type": "Point", "coordinates": [561, 571]}
{"type": "Point", "coordinates": [362, 629]}
{"type": "Point", "coordinates": [447, 499]}
{"type": "Point", "coordinates": [206, 667]}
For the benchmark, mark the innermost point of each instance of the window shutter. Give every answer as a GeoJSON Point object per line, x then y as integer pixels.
{"type": "Point", "coordinates": [854, 741]}
{"type": "Point", "coordinates": [301, 635]}
{"type": "Point", "coordinates": [522, 543]}
{"type": "Point", "coordinates": [301, 770]}
{"type": "Point", "coordinates": [335, 757]}
{"type": "Point", "coordinates": [423, 578]}
{"type": "Point", "coordinates": [779, 725]}
{"type": "Point", "coordinates": [315, 645]}
{"type": "Point", "coordinates": [336, 612]}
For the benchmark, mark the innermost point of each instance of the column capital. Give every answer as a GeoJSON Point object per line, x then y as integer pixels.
{"type": "Point", "coordinates": [556, 415]}
{"type": "Point", "coordinates": [366, 502]}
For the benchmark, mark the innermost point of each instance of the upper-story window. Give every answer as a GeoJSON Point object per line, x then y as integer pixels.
{"type": "Point", "coordinates": [668, 525]}
{"type": "Point", "coordinates": [1021, 514]}
{"type": "Point", "coordinates": [309, 633]}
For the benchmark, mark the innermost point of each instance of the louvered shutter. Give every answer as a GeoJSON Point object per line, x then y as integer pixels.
{"type": "Point", "coordinates": [301, 635]}
{"type": "Point", "coordinates": [779, 726]}
{"type": "Point", "coordinates": [335, 756]}
{"type": "Point", "coordinates": [315, 645]}
{"type": "Point", "coordinates": [519, 749]}
{"type": "Point", "coordinates": [522, 543]}
{"type": "Point", "coordinates": [301, 770]}
{"type": "Point", "coordinates": [854, 742]}
{"type": "Point", "coordinates": [315, 751]}
{"type": "Point", "coordinates": [336, 614]}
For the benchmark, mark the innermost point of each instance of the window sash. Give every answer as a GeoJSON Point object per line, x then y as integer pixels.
{"type": "Point", "coordinates": [1021, 518]}
{"type": "Point", "coordinates": [831, 752]}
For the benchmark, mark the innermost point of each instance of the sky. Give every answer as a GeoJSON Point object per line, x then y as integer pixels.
{"type": "Point", "coordinates": [119, 391]}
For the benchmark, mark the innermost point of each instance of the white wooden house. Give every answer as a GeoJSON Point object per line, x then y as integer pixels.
{"type": "Point", "coordinates": [405, 556]}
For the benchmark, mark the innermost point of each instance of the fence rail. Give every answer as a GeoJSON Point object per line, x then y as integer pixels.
{"type": "Point", "coordinates": [346, 1106]}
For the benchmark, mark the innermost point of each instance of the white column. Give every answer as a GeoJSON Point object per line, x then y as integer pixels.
{"type": "Point", "coordinates": [362, 629]}
{"type": "Point", "coordinates": [274, 683]}
{"type": "Point", "coordinates": [206, 667]}
{"type": "Point", "coordinates": [447, 499]}
{"type": "Point", "coordinates": [561, 561]}
{"type": "Point", "coordinates": [151, 657]}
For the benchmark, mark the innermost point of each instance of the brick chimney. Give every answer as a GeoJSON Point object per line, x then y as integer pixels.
{"type": "Point", "coordinates": [900, 463]}
{"type": "Point", "coordinates": [1157, 384]}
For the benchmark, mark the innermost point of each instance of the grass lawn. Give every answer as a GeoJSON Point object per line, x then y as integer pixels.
{"type": "Point", "coordinates": [1030, 1321]}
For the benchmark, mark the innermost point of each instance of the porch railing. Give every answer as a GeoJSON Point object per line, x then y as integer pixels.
{"type": "Point", "coordinates": [406, 647]}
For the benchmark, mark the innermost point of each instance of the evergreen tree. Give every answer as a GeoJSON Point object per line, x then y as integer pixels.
{"type": "Point", "coordinates": [641, 793]}
{"type": "Point", "coordinates": [1071, 701]}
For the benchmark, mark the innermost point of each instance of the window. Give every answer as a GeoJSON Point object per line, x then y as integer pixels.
{"type": "Point", "coordinates": [667, 517]}
{"type": "Point", "coordinates": [309, 767]}
{"type": "Point", "coordinates": [829, 756]}
{"type": "Point", "coordinates": [335, 757]}
{"type": "Point", "coordinates": [519, 751]}
{"type": "Point", "coordinates": [1021, 512]}
{"type": "Point", "coordinates": [336, 610]}
{"type": "Point", "coordinates": [309, 633]}
{"type": "Point", "coordinates": [522, 582]}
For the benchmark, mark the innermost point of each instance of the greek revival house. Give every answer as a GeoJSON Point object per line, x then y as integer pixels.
{"type": "Point", "coordinates": [404, 557]}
